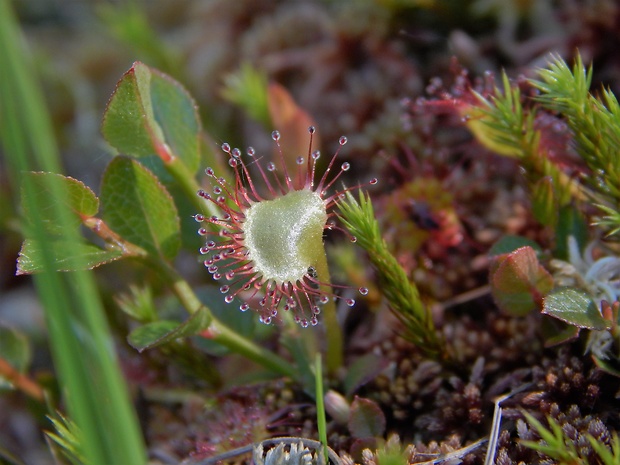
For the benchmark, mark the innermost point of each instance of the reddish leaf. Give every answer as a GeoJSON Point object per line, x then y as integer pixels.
{"type": "Point", "coordinates": [292, 121]}
{"type": "Point", "coordinates": [519, 282]}
{"type": "Point", "coordinates": [366, 420]}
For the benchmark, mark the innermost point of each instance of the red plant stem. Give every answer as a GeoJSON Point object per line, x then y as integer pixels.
{"type": "Point", "coordinates": [21, 381]}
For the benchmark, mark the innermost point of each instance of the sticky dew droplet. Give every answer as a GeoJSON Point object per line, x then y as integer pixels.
{"type": "Point", "coordinates": [350, 302]}
{"type": "Point", "coordinates": [363, 290]}
{"type": "Point", "coordinates": [275, 135]}
{"type": "Point", "coordinates": [226, 147]}
{"type": "Point", "coordinates": [343, 140]}
{"type": "Point", "coordinates": [345, 166]}
{"type": "Point", "coordinates": [250, 151]}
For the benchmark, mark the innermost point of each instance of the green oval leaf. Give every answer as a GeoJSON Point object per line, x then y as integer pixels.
{"type": "Point", "coordinates": [15, 350]}
{"type": "Point", "coordinates": [150, 113]}
{"type": "Point", "coordinates": [139, 208]}
{"type": "Point", "coordinates": [362, 371]}
{"type": "Point", "coordinates": [574, 307]}
{"type": "Point", "coordinates": [79, 200]}
{"type": "Point", "coordinates": [67, 255]}
{"type": "Point", "coordinates": [519, 282]}
{"type": "Point", "coordinates": [366, 419]}
{"type": "Point", "coordinates": [163, 332]}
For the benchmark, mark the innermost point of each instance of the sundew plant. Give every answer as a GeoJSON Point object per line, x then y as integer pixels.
{"type": "Point", "coordinates": [394, 295]}
{"type": "Point", "coordinates": [273, 243]}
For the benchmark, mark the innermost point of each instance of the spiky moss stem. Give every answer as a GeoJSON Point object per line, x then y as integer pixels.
{"type": "Point", "coordinates": [402, 295]}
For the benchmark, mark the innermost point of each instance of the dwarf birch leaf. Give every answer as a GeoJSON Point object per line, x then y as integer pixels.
{"type": "Point", "coordinates": [67, 255]}
{"type": "Point", "coordinates": [79, 200]}
{"type": "Point", "coordinates": [509, 243]}
{"type": "Point", "coordinates": [150, 113]}
{"type": "Point", "coordinates": [163, 332]}
{"type": "Point", "coordinates": [518, 281]}
{"type": "Point", "coordinates": [575, 307]}
{"type": "Point", "coordinates": [366, 419]}
{"type": "Point", "coordinates": [139, 208]}
{"type": "Point", "coordinates": [292, 120]}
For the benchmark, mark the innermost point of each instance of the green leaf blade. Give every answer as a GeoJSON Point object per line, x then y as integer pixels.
{"type": "Point", "coordinates": [67, 256]}
{"type": "Point", "coordinates": [518, 282]}
{"type": "Point", "coordinates": [79, 200]}
{"type": "Point", "coordinates": [139, 208]}
{"type": "Point", "coordinates": [162, 332]}
{"type": "Point", "coordinates": [150, 113]}
{"type": "Point", "coordinates": [575, 307]}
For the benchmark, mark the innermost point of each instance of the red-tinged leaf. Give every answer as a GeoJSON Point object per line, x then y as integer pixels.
{"type": "Point", "coordinates": [150, 113]}
{"type": "Point", "coordinates": [14, 349]}
{"type": "Point", "coordinates": [509, 243]}
{"type": "Point", "coordinates": [292, 121]}
{"type": "Point", "coordinates": [78, 199]}
{"type": "Point", "coordinates": [574, 307]}
{"type": "Point", "coordinates": [67, 255]}
{"type": "Point", "coordinates": [366, 419]}
{"type": "Point", "coordinates": [519, 282]}
{"type": "Point", "coordinates": [139, 208]}
{"type": "Point", "coordinates": [608, 366]}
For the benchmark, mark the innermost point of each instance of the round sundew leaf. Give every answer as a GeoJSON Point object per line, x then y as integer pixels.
{"type": "Point", "coordinates": [162, 332]}
{"type": "Point", "coordinates": [150, 113]}
{"type": "Point", "coordinates": [575, 307]}
{"type": "Point", "coordinates": [67, 255]}
{"type": "Point", "coordinates": [284, 236]}
{"type": "Point", "coordinates": [78, 199]}
{"type": "Point", "coordinates": [139, 208]}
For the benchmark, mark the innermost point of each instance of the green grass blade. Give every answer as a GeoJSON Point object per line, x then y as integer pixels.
{"type": "Point", "coordinates": [81, 344]}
